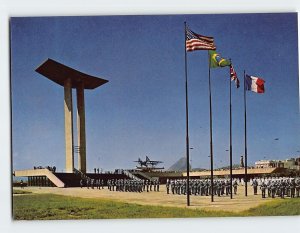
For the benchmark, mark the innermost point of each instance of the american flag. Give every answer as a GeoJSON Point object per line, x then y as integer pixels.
{"type": "Point", "coordinates": [195, 41]}
{"type": "Point", "coordinates": [234, 77]}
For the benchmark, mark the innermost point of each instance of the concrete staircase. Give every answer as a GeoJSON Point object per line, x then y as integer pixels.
{"type": "Point", "coordinates": [130, 175]}
{"type": "Point", "coordinates": [143, 175]}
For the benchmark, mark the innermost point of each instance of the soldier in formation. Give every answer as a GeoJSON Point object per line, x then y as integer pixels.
{"type": "Point", "coordinates": [81, 183]}
{"type": "Point", "coordinates": [255, 185]}
{"type": "Point", "coordinates": [201, 187]}
{"type": "Point", "coordinates": [132, 185]}
{"type": "Point", "coordinates": [91, 183]}
{"type": "Point", "coordinates": [168, 186]}
{"type": "Point", "coordinates": [278, 186]}
{"type": "Point", "coordinates": [263, 188]}
{"type": "Point", "coordinates": [234, 185]}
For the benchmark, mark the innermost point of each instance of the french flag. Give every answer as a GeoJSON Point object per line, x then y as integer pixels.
{"type": "Point", "coordinates": [254, 84]}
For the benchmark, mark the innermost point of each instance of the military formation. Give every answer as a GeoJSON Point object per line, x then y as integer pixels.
{"type": "Point", "coordinates": [133, 185]}
{"type": "Point", "coordinates": [201, 187]}
{"type": "Point", "coordinates": [92, 183]}
{"type": "Point", "coordinates": [121, 185]}
{"type": "Point", "coordinates": [268, 187]}
{"type": "Point", "coordinates": [277, 187]}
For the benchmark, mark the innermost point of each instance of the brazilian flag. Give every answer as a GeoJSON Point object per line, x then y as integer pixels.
{"type": "Point", "coordinates": [217, 61]}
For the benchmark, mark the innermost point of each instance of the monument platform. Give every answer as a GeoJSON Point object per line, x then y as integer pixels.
{"type": "Point", "coordinates": [59, 73]}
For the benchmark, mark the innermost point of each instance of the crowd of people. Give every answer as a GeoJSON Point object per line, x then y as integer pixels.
{"type": "Point", "coordinates": [274, 186]}
{"type": "Point", "coordinates": [52, 169]}
{"type": "Point", "coordinates": [201, 187]}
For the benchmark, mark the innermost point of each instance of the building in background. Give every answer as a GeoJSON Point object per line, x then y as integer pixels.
{"type": "Point", "coordinates": [292, 163]}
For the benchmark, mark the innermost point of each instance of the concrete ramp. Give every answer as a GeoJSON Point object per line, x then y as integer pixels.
{"type": "Point", "coordinates": [41, 172]}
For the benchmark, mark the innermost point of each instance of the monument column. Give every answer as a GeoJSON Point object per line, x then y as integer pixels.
{"type": "Point", "coordinates": [81, 127]}
{"type": "Point", "coordinates": [70, 78]}
{"type": "Point", "coordinates": [69, 125]}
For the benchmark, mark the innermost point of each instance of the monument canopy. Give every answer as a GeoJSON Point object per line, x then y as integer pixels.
{"type": "Point", "coordinates": [58, 73]}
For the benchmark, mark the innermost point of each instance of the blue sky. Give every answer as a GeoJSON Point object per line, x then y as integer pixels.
{"type": "Point", "coordinates": [141, 111]}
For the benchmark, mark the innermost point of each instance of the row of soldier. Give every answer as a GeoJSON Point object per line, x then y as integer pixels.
{"type": "Point", "coordinates": [122, 185]}
{"type": "Point", "coordinates": [280, 187]}
{"type": "Point", "coordinates": [92, 183]}
{"type": "Point", "coordinates": [272, 187]}
{"type": "Point", "coordinates": [201, 187]}
{"type": "Point", "coordinates": [133, 185]}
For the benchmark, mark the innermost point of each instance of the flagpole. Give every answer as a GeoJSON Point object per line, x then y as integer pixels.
{"type": "Point", "coordinates": [187, 123]}
{"type": "Point", "coordinates": [211, 142]}
{"type": "Point", "coordinates": [245, 108]}
{"type": "Point", "coordinates": [230, 137]}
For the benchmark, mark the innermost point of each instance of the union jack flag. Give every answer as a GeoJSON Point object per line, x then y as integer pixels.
{"type": "Point", "coordinates": [234, 77]}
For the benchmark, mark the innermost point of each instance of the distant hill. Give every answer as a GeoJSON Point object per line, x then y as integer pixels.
{"type": "Point", "coordinates": [180, 165]}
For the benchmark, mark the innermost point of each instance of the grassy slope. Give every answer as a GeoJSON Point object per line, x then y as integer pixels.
{"type": "Point", "coordinates": [49, 206]}
{"type": "Point", "coordinates": [17, 191]}
{"type": "Point", "coordinates": [277, 207]}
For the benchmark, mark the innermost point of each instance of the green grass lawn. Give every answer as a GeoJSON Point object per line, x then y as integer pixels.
{"type": "Point", "coordinates": [49, 206]}
{"type": "Point", "coordinates": [17, 191]}
{"type": "Point", "coordinates": [278, 207]}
